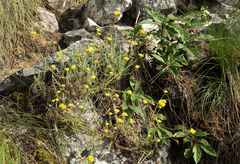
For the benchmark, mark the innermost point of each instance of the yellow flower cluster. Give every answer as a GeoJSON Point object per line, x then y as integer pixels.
{"type": "Point", "coordinates": [162, 103]}
{"type": "Point", "coordinates": [192, 131]}
{"type": "Point", "coordinates": [142, 31]}
{"type": "Point", "coordinates": [117, 13]}
{"type": "Point", "coordinates": [90, 159]}
{"type": "Point", "coordinates": [126, 58]}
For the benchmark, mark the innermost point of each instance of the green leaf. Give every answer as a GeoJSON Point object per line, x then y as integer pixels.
{"type": "Point", "coordinates": [126, 96]}
{"type": "Point", "coordinates": [170, 32]}
{"type": "Point", "coordinates": [196, 153]}
{"type": "Point", "coordinates": [199, 21]}
{"type": "Point", "coordinates": [184, 34]}
{"type": "Point", "coordinates": [158, 17]}
{"type": "Point", "coordinates": [158, 58]}
{"type": "Point", "coordinates": [208, 149]}
{"type": "Point", "coordinates": [207, 37]}
{"type": "Point", "coordinates": [191, 49]}
{"type": "Point", "coordinates": [137, 29]}
{"type": "Point", "coordinates": [159, 116]}
{"type": "Point", "coordinates": [174, 71]}
{"type": "Point", "coordinates": [186, 17]}
{"type": "Point", "coordinates": [134, 97]}
{"type": "Point", "coordinates": [176, 64]}
{"type": "Point", "coordinates": [152, 131]}
{"type": "Point", "coordinates": [186, 139]}
{"type": "Point", "coordinates": [124, 106]}
{"type": "Point", "coordinates": [147, 98]}
{"type": "Point", "coordinates": [137, 110]}
{"type": "Point", "coordinates": [132, 82]}
{"type": "Point", "coordinates": [138, 89]}
{"type": "Point", "coordinates": [183, 60]}
{"type": "Point", "coordinates": [167, 132]}
{"type": "Point", "coordinates": [200, 133]}
{"type": "Point", "coordinates": [128, 32]}
{"type": "Point", "coordinates": [188, 153]}
{"type": "Point", "coordinates": [179, 127]}
{"type": "Point", "coordinates": [166, 141]}
{"type": "Point", "coordinates": [179, 134]}
{"type": "Point", "coordinates": [203, 141]}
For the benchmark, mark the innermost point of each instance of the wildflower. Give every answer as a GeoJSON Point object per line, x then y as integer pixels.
{"type": "Point", "coordinates": [63, 85]}
{"type": "Point", "coordinates": [49, 105]}
{"type": "Point", "coordinates": [129, 92]}
{"type": "Point", "coordinates": [66, 69]}
{"type": "Point", "coordinates": [192, 131]}
{"type": "Point", "coordinates": [140, 55]}
{"type": "Point", "coordinates": [116, 111]}
{"type": "Point", "coordinates": [90, 159]}
{"type": "Point", "coordinates": [93, 77]}
{"type": "Point", "coordinates": [73, 67]}
{"type": "Point", "coordinates": [117, 13]}
{"type": "Point", "coordinates": [148, 37]}
{"type": "Point", "coordinates": [85, 86]}
{"type": "Point", "coordinates": [59, 53]}
{"type": "Point", "coordinates": [116, 95]}
{"type": "Point", "coordinates": [78, 54]}
{"type": "Point", "coordinates": [53, 66]}
{"type": "Point", "coordinates": [165, 91]}
{"type": "Point", "coordinates": [158, 140]}
{"type": "Point", "coordinates": [98, 29]}
{"type": "Point", "coordinates": [120, 120]}
{"type": "Point", "coordinates": [124, 114]}
{"type": "Point", "coordinates": [69, 110]}
{"type": "Point", "coordinates": [74, 101]}
{"type": "Point", "coordinates": [149, 135]}
{"type": "Point", "coordinates": [134, 43]}
{"type": "Point", "coordinates": [144, 102]}
{"type": "Point", "coordinates": [57, 99]}
{"type": "Point", "coordinates": [110, 113]}
{"type": "Point", "coordinates": [64, 52]}
{"type": "Point", "coordinates": [109, 109]}
{"type": "Point", "coordinates": [131, 136]}
{"type": "Point", "coordinates": [109, 54]}
{"type": "Point", "coordinates": [91, 44]}
{"type": "Point", "coordinates": [95, 61]}
{"type": "Point", "coordinates": [70, 104]}
{"type": "Point", "coordinates": [109, 39]}
{"type": "Point", "coordinates": [58, 92]}
{"type": "Point", "coordinates": [84, 53]}
{"type": "Point", "coordinates": [87, 69]}
{"type": "Point", "coordinates": [106, 130]}
{"type": "Point", "coordinates": [61, 105]}
{"type": "Point", "coordinates": [107, 94]}
{"type": "Point", "coordinates": [90, 49]}
{"type": "Point", "coordinates": [114, 99]}
{"type": "Point", "coordinates": [54, 42]}
{"type": "Point", "coordinates": [80, 106]}
{"type": "Point", "coordinates": [111, 73]}
{"type": "Point", "coordinates": [131, 121]}
{"type": "Point", "coordinates": [60, 57]}
{"type": "Point", "coordinates": [162, 103]}
{"type": "Point", "coordinates": [33, 33]}
{"type": "Point", "coordinates": [137, 66]}
{"type": "Point", "coordinates": [128, 130]}
{"type": "Point", "coordinates": [99, 33]}
{"type": "Point", "coordinates": [159, 121]}
{"type": "Point", "coordinates": [106, 124]}
{"type": "Point", "coordinates": [92, 92]}
{"type": "Point", "coordinates": [116, 125]}
{"type": "Point", "coordinates": [142, 31]}
{"type": "Point", "coordinates": [108, 66]}
{"type": "Point", "coordinates": [84, 47]}
{"type": "Point", "coordinates": [126, 58]}
{"type": "Point", "coordinates": [39, 116]}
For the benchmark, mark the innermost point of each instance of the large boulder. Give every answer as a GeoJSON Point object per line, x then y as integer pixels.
{"type": "Point", "coordinates": [61, 5]}
{"type": "Point", "coordinates": [229, 2]}
{"type": "Point", "coordinates": [48, 20]}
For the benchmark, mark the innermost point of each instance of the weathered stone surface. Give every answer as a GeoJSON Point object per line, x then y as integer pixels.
{"type": "Point", "coordinates": [78, 11]}
{"type": "Point", "coordinates": [48, 20]}
{"type": "Point", "coordinates": [90, 25]}
{"type": "Point", "coordinates": [102, 12]}
{"type": "Point", "coordinates": [61, 5]}
{"type": "Point", "coordinates": [161, 6]}
{"type": "Point", "coordinates": [2, 62]}
{"type": "Point", "coordinates": [229, 2]}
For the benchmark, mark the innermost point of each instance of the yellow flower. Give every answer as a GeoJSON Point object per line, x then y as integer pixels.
{"type": "Point", "coordinates": [91, 44]}
{"type": "Point", "coordinates": [84, 47]}
{"type": "Point", "coordinates": [64, 52]}
{"type": "Point", "coordinates": [78, 54]}
{"type": "Point", "coordinates": [159, 121]}
{"type": "Point", "coordinates": [59, 53]}
{"type": "Point", "coordinates": [140, 55]}
{"type": "Point", "coordinates": [58, 92]}
{"type": "Point", "coordinates": [108, 66]}
{"type": "Point", "coordinates": [90, 49]}
{"type": "Point", "coordinates": [53, 100]}
{"type": "Point", "coordinates": [98, 29]}
{"type": "Point", "coordinates": [39, 116]}
{"type": "Point", "coordinates": [49, 105]}
{"type": "Point", "coordinates": [129, 92]}
{"type": "Point", "coordinates": [137, 66]}
{"type": "Point", "coordinates": [80, 106]}
{"type": "Point", "coordinates": [62, 106]}
{"type": "Point", "coordinates": [114, 99]}
{"type": "Point", "coordinates": [99, 33]}
{"type": "Point", "coordinates": [126, 58]}
{"type": "Point", "coordinates": [158, 140]}
{"type": "Point", "coordinates": [66, 69]}
{"type": "Point", "coordinates": [109, 54]}
{"type": "Point", "coordinates": [106, 130]}
{"type": "Point", "coordinates": [124, 114]}
{"type": "Point", "coordinates": [116, 95]}
{"type": "Point", "coordinates": [116, 125]}
{"type": "Point", "coordinates": [144, 102]}
{"type": "Point", "coordinates": [33, 33]}
{"type": "Point", "coordinates": [131, 136]}
{"type": "Point", "coordinates": [109, 39]}
{"type": "Point", "coordinates": [106, 124]}
{"type": "Point", "coordinates": [53, 66]}
{"type": "Point", "coordinates": [54, 42]}
{"type": "Point", "coordinates": [142, 31]}
{"type": "Point", "coordinates": [92, 92]}
{"type": "Point", "coordinates": [85, 86]}
{"type": "Point", "coordinates": [134, 43]}
{"type": "Point", "coordinates": [149, 135]}
{"type": "Point", "coordinates": [128, 130]}
{"type": "Point", "coordinates": [116, 111]}
{"type": "Point", "coordinates": [60, 57]}
{"type": "Point", "coordinates": [84, 53]}
{"type": "Point", "coordinates": [95, 61]}
{"type": "Point", "coordinates": [73, 67]}
{"type": "Point", "coordinates": [162, 103]}
{"type": "Point", "coordinates": [87, 69]}
{"type": "Point", "coordinates": [117, 13]}
{"type": "Point", "coordinates": [120, 120]}
{"type": "Point", "coordinates": [90, 159]}
{"type": "Point", "coordinates": [74, 101]}
{"type": "Point", "coordinates": [57, 99]}
{"type": "Point", "coordinates": [148, 37]}
{"type": "Point", "coordinates": [111, 73]}
{"type": "Point", "coordinates": [106, 94]}
{"type": "Point", "coordinates": [69, 110]}
{"type": "Point", "coordinates": [165, 91]}
{"type": "Point", "coordinates": [192, 131]}
{"type": "Point", "coordinates": [93, 77]}
{"type": "Point", "coordinates": [63, 85]}
{"type": "Point", "coordinates": [131, 121]}
{"type": "Point", "coordinates": [110, 113]}
{"type": "Point", "coordinates": [70, 104]}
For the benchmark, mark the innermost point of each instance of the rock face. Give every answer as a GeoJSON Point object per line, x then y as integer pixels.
{"type": "Point", "coordinates": [229, 2]}
{"type": "Point", "coordinates": [61, 4]}
{"type": "Point", "coordinates": [2, 62]}
{"type": "Point", "coordinates": [48, 20]}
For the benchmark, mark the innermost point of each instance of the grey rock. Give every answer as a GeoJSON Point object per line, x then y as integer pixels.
{"type": "Point", "coordinates": [78, 11]}
{"type": "Point", "coordinates": [2, 62]}
{"type": "Point", "coordinates": [90, 25]}
{"type": "Point", "coordinates": [61, 5]}
{"type": "Point", "coordinates": [229, 2]}
{"type": "Point", "coordinates": [48, 20]}
{"type": "Point", "coordinates": [102, 11]}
